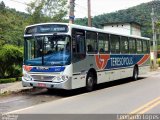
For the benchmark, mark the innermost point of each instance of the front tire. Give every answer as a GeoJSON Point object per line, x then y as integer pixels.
{"type": "Point", "coordinates": [90, 82]}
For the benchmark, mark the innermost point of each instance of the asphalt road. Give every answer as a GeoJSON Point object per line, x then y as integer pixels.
{"type": "Point", "coordinates": [119, 97]}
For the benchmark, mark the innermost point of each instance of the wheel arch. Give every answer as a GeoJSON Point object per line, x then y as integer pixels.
{"type": "Point", "coordinates": [94, 72]}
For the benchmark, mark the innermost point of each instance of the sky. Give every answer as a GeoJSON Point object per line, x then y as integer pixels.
{"type": "Point", "coordinates": [97, 6]}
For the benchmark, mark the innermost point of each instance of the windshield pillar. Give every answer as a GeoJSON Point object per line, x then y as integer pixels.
{"type": "Point", "coordinates": [42, 51]}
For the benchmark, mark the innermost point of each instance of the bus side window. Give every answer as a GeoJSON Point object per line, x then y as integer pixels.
{"type": "Point", "coordinates": [103, 43]}
{"type": "Point", "coordinates": [115, 43]}
{"type": "Point", "coordinates": [139, 46]}
{"type": "Point", "coordinates": [89, 48]}
{"type": "Point", "coordinates": [148, 47]}
{"type": "Point", "coordinates": [124, 45]}
{"type": "Point", "coordinates": [145, 47]}
{"type": "Point", "coordinates": [91, 41]}
{"type": "Point", "coordinates": [132, 45]}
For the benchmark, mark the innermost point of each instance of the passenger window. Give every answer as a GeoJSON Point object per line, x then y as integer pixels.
{"type": "Point", "coordinates": [139, 46]}
{"type": "Point", "coordinates": [103, 43]}
{"type": "Point", "coordinates": [91, 42]}
{"type": "Point", "coordinates": [145, 49]}
{"type": "Point", "coordinates": [124, 45]}
{"type": "Point", "coordinates": [115, 43]}
{"type": "Point", "coordinates": [132, 45]}
{"type": "Point", "coordinates": [148, 46]}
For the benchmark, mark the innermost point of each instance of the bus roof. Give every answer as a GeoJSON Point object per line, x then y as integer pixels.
{"type": "Point", "coordinates": [89, 29]}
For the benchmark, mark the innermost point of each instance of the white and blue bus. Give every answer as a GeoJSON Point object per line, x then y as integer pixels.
{"type": "Point", "coordinates": [68, 56]}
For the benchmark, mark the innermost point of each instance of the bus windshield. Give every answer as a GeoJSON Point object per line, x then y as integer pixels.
{"type": "Point", "coordinates": [47, 50]}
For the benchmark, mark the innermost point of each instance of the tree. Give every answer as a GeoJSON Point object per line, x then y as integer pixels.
{"type": "Point", "coordinates": [158, 32]}
{"type": "Point", "coordinates": [47, 10]}
{"type": "Point", "coordinates": [2, 11]}
{"type": "Point", "coordinates": [11, 26]}
{"type": "Point", "coordinates": [2, 7]}
{"type": "Point", "coordinates": [10, 57]}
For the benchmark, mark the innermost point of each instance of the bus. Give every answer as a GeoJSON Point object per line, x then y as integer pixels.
{"type": "Point", "coordinates": [68, 56]}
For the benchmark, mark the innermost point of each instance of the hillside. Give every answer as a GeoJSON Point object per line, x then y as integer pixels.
{"type": "Point", "coordinates": [140, 14]}
{"type": "Point", "coordinates": [12, 24]}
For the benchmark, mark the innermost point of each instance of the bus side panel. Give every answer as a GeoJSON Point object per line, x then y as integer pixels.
{"type": "Point", "coordinates": [144, 69]}
{"type": "Point", "coordinates": [118, 71]}
{"type": "Point", "coordinates": [79, 74]}
{"type": "Point", "coordinates": [80, 70]}
{"type": "Point", "coordinates": [103, 76]}
{"type": "Point", "coordinates": [110, 75]}
{"type": "Point", "coordinates": [108, 72]}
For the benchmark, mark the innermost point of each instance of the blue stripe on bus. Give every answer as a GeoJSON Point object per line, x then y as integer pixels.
{"type": "Point", "coordinates": [119, 61]}
{"type": "Point", "coordinates": [47, 69]}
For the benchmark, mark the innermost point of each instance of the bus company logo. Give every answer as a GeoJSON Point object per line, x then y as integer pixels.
{"type": "Point", "coordinates": [101, 61]}
{"type": "Point", "coordinates": [121, 61]}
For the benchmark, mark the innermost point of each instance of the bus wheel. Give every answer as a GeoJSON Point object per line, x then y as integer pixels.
{"type": "Point", "coordinates": [135, 73]}
{"type": "Point", "coordinates": [90, 82]}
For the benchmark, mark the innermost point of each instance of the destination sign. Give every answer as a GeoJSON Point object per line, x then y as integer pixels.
{"type": "Point", "coordinates": [47, 28]}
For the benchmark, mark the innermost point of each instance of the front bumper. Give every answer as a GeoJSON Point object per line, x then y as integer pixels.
{"type": "Point", "coordinates": [62, 85]}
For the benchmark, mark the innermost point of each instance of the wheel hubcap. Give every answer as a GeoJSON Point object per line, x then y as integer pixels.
{"type": "Point", "coordinates": [136, 74]}
{"type": "Point", "coordinates": [90, 81]}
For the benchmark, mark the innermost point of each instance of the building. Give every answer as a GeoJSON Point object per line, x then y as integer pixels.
{"type": "Point", "coordinates": [127, 28]}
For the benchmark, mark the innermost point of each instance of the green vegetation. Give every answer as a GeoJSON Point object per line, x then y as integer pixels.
{"type": "Point", "coordinates": [9, 80]}
{"type": "Point", "coordinates": [47, 11]}
{"type": "Point", "coordinates": [12, 24]}
{"type": "Point", "coordinates": [11, 58]}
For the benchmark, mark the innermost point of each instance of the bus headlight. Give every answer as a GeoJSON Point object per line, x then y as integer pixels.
{"type": "Point", "coordinates": [27, 77]}
{"type": "Point", "coordinates": [60, 78]}
{"type": "Point", "coordinates": [64, 78]}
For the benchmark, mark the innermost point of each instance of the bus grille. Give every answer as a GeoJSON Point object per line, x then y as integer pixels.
{"type": "Point", "coordinates": [42, 78]}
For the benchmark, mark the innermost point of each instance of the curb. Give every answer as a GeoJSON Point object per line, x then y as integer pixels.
{"type": "Point", "coordinates": [14, 87]}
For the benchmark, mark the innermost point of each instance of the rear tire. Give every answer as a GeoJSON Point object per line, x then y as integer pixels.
{"type": "Point", "coordinates": [90, 82]}
{"type": "Point", "coordinates": [135, 73]}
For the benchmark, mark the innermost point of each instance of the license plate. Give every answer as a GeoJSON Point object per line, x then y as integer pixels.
{"type": "Point", "coordinates": [41, 85]}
